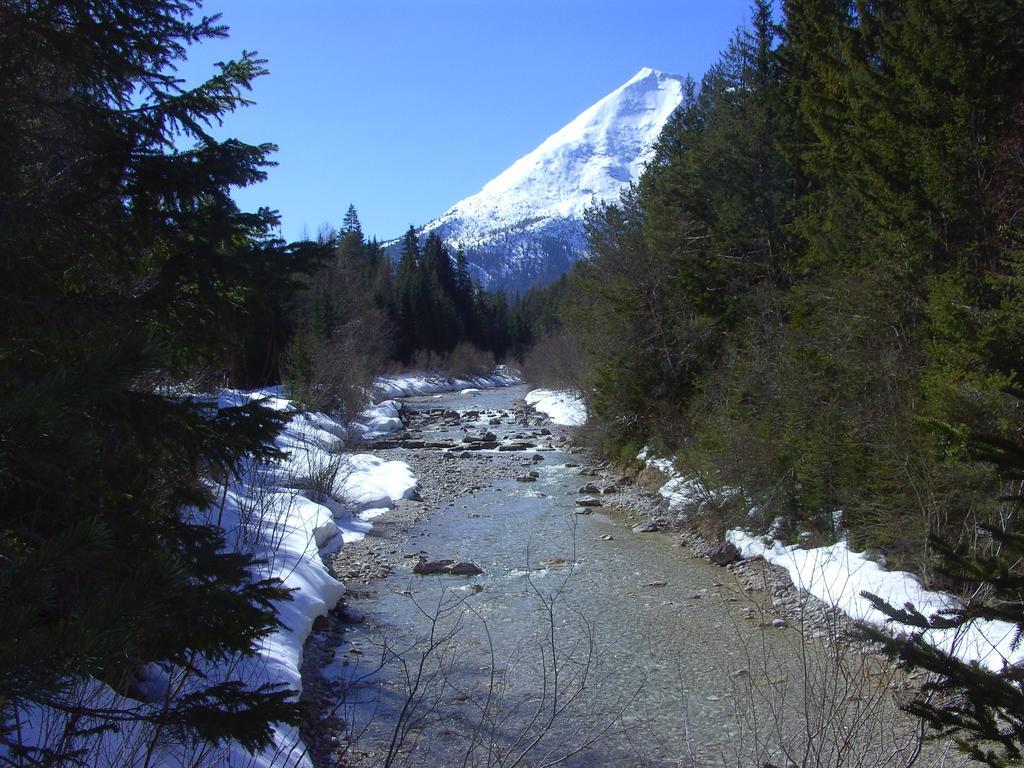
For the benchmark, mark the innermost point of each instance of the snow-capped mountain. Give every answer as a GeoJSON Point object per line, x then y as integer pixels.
{"type": "Point", "coordinates": [525, 225]}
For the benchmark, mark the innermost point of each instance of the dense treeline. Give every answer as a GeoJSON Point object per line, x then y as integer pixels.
{"type": "Point", "coordinates": [363, 313]}
{"type": "Point", "coordinates": [813, 298]}
{"type": "Point", "coordinates": [822, 267]}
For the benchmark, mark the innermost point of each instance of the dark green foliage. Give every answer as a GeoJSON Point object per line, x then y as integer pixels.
{"type": "Point", "coordinates": [823, 260]}
{"type": "Point", "coordinates": [361, 311]}
{"type": "Point", "coordinates": [126, 267]}
{"type": "Point", "coordinates": [680, 264]}
{"type": "Point", "coordinates": [983, 709]}
{"type": "Point", "coordinates": [343, 336]}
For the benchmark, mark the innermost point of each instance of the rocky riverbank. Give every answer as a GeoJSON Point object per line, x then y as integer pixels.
{"type": "Point", "coordinates": [455, 454]}
{"type": "Point", "coordinates": [770, 597]}
{"type": "Point", "coordinates": [446, 470]}
{"type": "Point", "coordinates": [779, 602]}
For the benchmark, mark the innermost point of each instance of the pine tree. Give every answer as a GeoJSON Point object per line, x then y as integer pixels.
{"type": "Point", "coordinates": [351, 221]}
{"type": "Point", "coordinates": [408, 297]}
{"type": "Point", "coordinates": [127, 266]}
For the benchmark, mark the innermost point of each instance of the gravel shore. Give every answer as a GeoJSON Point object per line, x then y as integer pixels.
{"type": "Point", "coordinates": [449, 469]}
{"type": "Point", "coordinates": [444, 474]}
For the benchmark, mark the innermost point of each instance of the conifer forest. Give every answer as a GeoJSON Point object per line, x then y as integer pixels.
{"type": "Point", "coordinates": [809, 304]}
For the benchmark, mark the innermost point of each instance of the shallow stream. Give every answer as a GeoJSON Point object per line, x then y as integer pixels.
{"type": "Point", "coordinates": [582, 641]}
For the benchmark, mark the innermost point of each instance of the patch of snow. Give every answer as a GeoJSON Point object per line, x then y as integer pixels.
{"type": "Point", "coordinates": [838, 576]}
{"type": "Point", "coordinates": [368, 482]}
{"type": "Point", "coordinates": [377, 419]}
{"type": "Point", "coordinates": [412, 384]}
{"type": "Point", "coordinates": [562, 406]}
{"type": "Point", "coordinates": [287, 514]}
{"type": "Point", "coordinates": [680, 491]}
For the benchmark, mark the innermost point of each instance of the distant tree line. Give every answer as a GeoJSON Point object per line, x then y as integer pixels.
{"type": "Point", "coordinates": [363, 312]}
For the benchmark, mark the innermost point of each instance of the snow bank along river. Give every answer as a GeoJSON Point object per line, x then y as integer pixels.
{"type": "Point", "coordinates": [580, 640]}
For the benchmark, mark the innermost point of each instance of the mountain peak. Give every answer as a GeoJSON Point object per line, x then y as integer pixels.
{"type": "Point", "coordinates": [544, 193]}
{"type": "Point", "coordinates": [648, 72]}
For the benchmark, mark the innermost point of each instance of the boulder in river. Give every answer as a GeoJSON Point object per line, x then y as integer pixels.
{"type": "Point", "coordinates": [588, 501]}
{"type": "Point", "coordinates": [724, 553]}
{"type": "Point", "coordinates": [588, 488]}
{"type": "Point", "coordinates": [431, 567]}
{"type": "Point", "coordinates": [464, 568]}
{"type": "Point", "coordinates": [583, 511]}
{"type": "Point", "coordinates": [649, 526]}
{"type": "Point", "coordinates": [449, 567]}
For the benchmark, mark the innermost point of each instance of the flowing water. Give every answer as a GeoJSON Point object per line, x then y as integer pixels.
{"type": "Point", "coordinates": [582, 641]}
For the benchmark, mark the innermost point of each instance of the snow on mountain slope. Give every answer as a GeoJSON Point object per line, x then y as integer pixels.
{"type": "Point", "coordinates": [526, 225]}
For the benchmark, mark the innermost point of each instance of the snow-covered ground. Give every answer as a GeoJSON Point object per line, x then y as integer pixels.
{"type": "Point", "coordinates": [838, 576]}
{"type": "Point", "coordinates": [410, 384]}
{"type": "Point", "coordinates": [288, 514]}
{"type": "Point", "coordinates": [562, 406]}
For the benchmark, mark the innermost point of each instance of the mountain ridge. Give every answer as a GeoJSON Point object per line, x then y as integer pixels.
{"type": "Point", "coordinates": [526, 224]}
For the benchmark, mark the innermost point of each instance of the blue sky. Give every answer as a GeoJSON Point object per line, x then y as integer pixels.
{"type": "Point", "coordinates": [404, 107]}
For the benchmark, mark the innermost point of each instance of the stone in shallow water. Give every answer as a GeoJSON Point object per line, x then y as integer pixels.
{"type": "Point", "coordinates": [588, 501]}
{"type": "Point", "coordinates": [724, 553]}
{"type": "Point", "coordinates": [449, 567]}
{"type": "Point", "coordinates": [648, 526]}
{"type": "Point", "coordinates": [464, 568]}
{"type": "Point", "coordinates": [430, 567]}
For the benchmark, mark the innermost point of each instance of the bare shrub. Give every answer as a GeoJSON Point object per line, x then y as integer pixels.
{"type": "Point", "coordinates": [467, 360]}
{"type": "Point", "coordinates": [335, 374]}
{"type": "Point", "coordinates": [425, 360]}
{"type": "Point", "coordinates": [836, 704]}
{"type": "Point", "coordinates": [321, 474]}
{"type": "Point", "coordinates": [555, 361]}
{"type": "Point", "coordinates": [713, 512]}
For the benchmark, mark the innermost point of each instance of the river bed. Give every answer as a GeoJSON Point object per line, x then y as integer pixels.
{"type": "Point", "coordinates": [582, 643]}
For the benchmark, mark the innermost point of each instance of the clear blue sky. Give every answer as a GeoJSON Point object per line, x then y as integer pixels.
{"type": "Point", "coordinates": [404, 107]}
